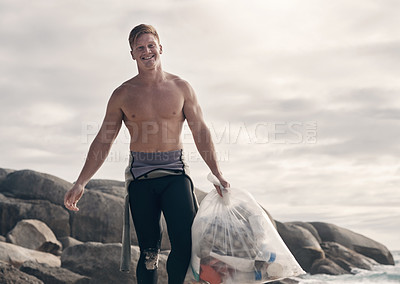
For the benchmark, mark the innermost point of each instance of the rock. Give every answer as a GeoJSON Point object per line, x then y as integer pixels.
{"type": "Point", "coordinates": [112, 187]}
{"type": "Point", "coordinates": [359, 243]}
{"type": "Point", "coordinates": [34, 234]}
{"type": "Point", "coordinates": [53, 275]}
{"type": "Point", "coordinates": [302, 244]}
{"type": "Point", "coordinates": [308, 227]}
{"type": "Point", "coordinates": [13, 210]}
{"type": "Point", "coordinates": [337, 253]}
{"type": "Point", "coordinates": [11, 275]}
{"type": "Point", "coordinates": [69, 242]}
{"type": "Point", "coordinates": [30, 185]}
{"type": "Point", "coordinates": [4, 173]}
{"type": "Point", "coordinates": [17, 255]}
{"type": "Point", "coordinates": [285, 281]}
{"type": "Point", "coordinates": [101, 263]}
{"type": "Point", "coordinates": [2, 238]}
{"type": "Point", "coordinates": [327, 266]}
{"type": "Point", "coordinates": [104, 183]}
{"type": "Point", "coordinates": [99, 218]}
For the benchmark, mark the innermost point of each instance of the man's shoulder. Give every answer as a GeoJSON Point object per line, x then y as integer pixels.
{"type": "Point", "coordinates": [176, 79]}
{"type": "Point", "coordinates": [125, 87]}
{"type": "Point", "coordinates": [179, 82]}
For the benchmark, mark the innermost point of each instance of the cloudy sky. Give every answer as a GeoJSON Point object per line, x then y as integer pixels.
{"type": "Point", "coordinates": [302, 97]}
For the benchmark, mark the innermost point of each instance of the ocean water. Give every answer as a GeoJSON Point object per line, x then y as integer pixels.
{"type": "Point", "coordinates": [381, 274]}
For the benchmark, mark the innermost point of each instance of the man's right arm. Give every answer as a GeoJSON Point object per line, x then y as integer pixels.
{"type": "Point", "coordinates": [98, 150]}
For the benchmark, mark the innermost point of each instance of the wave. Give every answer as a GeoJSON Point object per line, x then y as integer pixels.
{"type": "Point", "coordinates": [382, 274]}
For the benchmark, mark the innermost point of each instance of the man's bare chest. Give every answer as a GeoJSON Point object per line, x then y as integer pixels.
{"type": "Point", "coordinates": [153, 105]}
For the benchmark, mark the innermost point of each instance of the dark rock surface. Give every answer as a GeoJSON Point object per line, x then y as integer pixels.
{"type": "Point", "coordinates": [284, 281]}
{"type": "Point", "coordinates": [354, 241]}
{"type": "Point", "coordinates": [31, 185]}
{"type": "Point", "coordinates": [101, 263]}
{"type": "Point", "coordinates": [11, 275]}
{"type": "Point", "coordinates": [303, 245]}
{"type": "Point", "coordinates": [112, 187]}
{"type": "Point", "coordinates": [99, 218]}
{"type": "Point", "coordinates": [4, 173]}
{"type": "Point", "coordinates": [308, 227]}
{"type": "Point", "coordinates": [338, 253]}
{"type": "Point", "coordinates": [53, 275]}
{"type": "Point", "coordinates": [327, 266]}
{"type": "Point", "coordinates": [13, 210]}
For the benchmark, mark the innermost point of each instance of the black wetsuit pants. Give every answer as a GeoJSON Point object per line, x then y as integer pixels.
{"type": "Point", "coordinates": [173, 196]}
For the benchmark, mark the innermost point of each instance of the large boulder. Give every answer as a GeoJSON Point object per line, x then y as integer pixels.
{"type": "Point", "coordinates": [17, 255]}
{"type": "Point", "coordinates": [34, 234]}
{"type": "Point", "coordinates": [13, 210]}
{"type": "Point", "coordinates": [354, 241]}
{"type": "Point", "coordinates": [308, 227]}
{"type": "Point", "coordinates": [101, 263]}
{"type": "Point", "coordinates": [99, 218]}
{"type": "Point", "coordinates": [346, 258]}
{"type": "Point", "coordinates": [53, 275]}
{"type": "Point", "coordinates": [302, 244]}
{"type": "Point", "coordinates": [4, 173]}
{"type": "Point", "coordinates": [11, 275]}
{"type": "Point", "coordinates": [327, 266]}
{"type": "Point", "coordinates": [112, 187]}
{"type": "Point", "coordinates": [30, 185]}
{"type": "Point", "coordinates": [69, 242]}
{"type": "Point", "coordinates": [105, 183]}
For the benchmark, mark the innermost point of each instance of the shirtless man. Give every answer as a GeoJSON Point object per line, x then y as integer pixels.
{"type": "Point", "coordinates": [153, 105]}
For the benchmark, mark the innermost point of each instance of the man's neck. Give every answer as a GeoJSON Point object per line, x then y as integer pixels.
{"type": "Point", "coordinates": [153, 76]}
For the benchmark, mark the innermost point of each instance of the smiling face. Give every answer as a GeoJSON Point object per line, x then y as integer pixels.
{"type": "Point", "coordinates": [146, 51]}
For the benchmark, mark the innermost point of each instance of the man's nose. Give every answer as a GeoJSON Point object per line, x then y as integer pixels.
{"type": "Point", "coordinates": [147, 50]}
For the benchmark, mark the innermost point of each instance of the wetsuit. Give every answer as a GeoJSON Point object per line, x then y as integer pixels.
{"type": "Point", "coordinates": [161, 184]}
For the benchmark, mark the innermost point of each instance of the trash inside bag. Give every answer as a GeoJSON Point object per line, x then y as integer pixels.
{"type": "Point", "coordinates": [234, 241]}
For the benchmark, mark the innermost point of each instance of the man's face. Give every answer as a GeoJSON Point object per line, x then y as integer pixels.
{"type": "Point", "coordinates": [146, 50]}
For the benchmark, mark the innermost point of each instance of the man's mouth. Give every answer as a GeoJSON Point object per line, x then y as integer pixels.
{"type": "Point", "coordinates": [148, 57]}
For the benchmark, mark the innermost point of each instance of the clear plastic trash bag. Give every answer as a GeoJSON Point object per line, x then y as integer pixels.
{"type": "Point", "coordinates": [234, 241]}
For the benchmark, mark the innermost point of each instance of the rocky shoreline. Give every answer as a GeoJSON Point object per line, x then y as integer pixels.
{"type": "Point", "coordinates": [42, 242]}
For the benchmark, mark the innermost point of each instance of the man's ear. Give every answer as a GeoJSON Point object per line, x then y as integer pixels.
{"type": "Point", "coordinates": [133, 57]}
{"type": "Point", "coordinates": [161, 49]}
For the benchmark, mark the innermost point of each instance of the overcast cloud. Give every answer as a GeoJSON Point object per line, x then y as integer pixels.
{"type": "Point", "coordinates": [302, 97]}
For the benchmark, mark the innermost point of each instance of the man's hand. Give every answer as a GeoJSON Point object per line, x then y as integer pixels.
{"type": "Point", "coordinates": [72, 197]}
{"type": "Point", "coordinates": [223, 182]}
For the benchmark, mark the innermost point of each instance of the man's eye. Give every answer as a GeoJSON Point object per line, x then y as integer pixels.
{"type": "Point", "coordinates": [151, 45]}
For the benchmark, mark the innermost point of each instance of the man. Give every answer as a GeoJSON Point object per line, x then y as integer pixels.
{"type": "Point", "coordinates": [153, 105]}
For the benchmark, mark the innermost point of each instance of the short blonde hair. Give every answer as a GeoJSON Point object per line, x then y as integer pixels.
{"type": "Point", "coordinates": [142, 29]}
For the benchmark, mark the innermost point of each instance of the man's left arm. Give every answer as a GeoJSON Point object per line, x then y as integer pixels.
{"type": "Point", "coordinates": [201, 134]}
